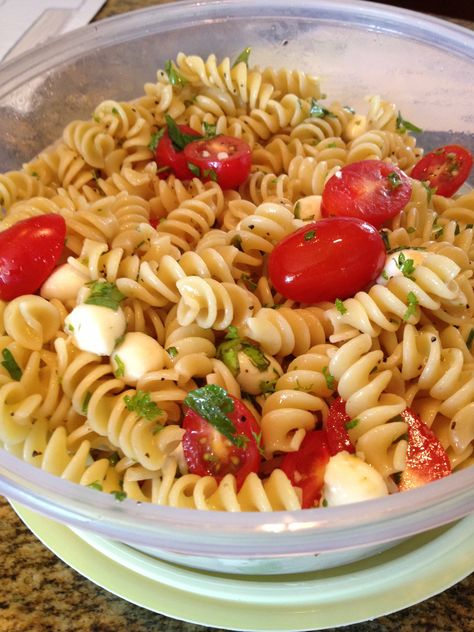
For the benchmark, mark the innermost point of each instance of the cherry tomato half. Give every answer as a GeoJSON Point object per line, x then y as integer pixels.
{"type": "Point", "coordinates": [336, 428]}
{"type": "Point", "coordinates": [29, 252]}
{"type": "Point", "coordinates": [332, 258]}
{"type": "Point", "coordinates": [305, 468]}
{"type": "Point", "coordinates": [225, 159]}
{"type": "Point", "coordinates": [167, 155]}
{"type": "Point", "coordinates": [371, 190]}
{"type": "Point", "coordinates": [426, 458]}
{"type": "Point", "coordinates": [208, 452]}
{"type": "Point", "coordinates": [445, 169]}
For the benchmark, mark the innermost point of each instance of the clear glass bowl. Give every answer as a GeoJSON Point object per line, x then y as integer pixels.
{"type": "Point", "coordinates": [423, 64]}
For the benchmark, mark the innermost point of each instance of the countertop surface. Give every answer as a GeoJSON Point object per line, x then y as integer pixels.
{"type": "Point", "coordinates": [41, 594]}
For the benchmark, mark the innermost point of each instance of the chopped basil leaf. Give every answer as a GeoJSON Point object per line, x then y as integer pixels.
{"type": "Point", "coordinates": [319, 111]}
{"type": "Point", "coordinates": [96, 485]}
{"type": "Point", "coordinates": [385, 275]}
{"type": "Point", "coordinates": [470, 339]}
{"type": "Point", "coordinates": [309, 235]}
{"type": "Point", "coordinates": [155, 139]}
{"type": "Point", "coordinates": [172, 352]}
{"type": "Point", "coordinates": [406, 266]}
{"type": "Point", "coordinates": [211, 174]}
{"type": "Point", "coordinates": [114, 458]}
{"type": "Point", "coordinates": [119, 495]}
{"type": "Point", "coordinates": [405, 126]}
{"type": "Point", "coordinates": [120, 370]}
{"type": "Point", "coordinates": [330, 379]}
{"type": "Point", "coordinates": [341, 308]}
{"type": "Point", "coordinates": [267, 386]}
{"type": "Point", "coordinates": [227, 352]}
{"type": "Point", "coordinates": [105, 294]}
{"type": "Point", "coordinates": [85, 402]}
{"type": "Point", "coordinates": [258, 441]}
{"type": "Point", "coordinates": [257, 358]}
{"type": "Point", "coordinates": [352, 423]}
{"type": "Point", "coordinates": [249, 282]}
{"type": "Point", "coordinates": [243, 57]}
{"type": "Point", "coordinates": [429, 190]}
{"type": "Point", "coordinates": [174, 76]}
{"type": "Point", "coordinates": [394, 179]}
{"type": "Point", "coordinates": [232, 333]}
{"type": "Point", "coordinates": [194, 169]}
{"type": "Point", "coordinates": [141, 404]}
{"type": "Point", "coordinates": [212, 403]}
{"type": "Point", "coordinates": [178, 138]}
{"type": "Point", "coordinates": [11, 365]}
{"type": "Point", "coordinates": [210, 129]}
{"type": "Point", "coordinates": [412, 305]}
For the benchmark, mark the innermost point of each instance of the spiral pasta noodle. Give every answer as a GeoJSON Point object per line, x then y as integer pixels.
{"type": "Point", "coordinates": [192, 305]}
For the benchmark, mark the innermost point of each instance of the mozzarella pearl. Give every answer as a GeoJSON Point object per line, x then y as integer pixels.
{"type": "Point", "coordinates": [95, 328]}
{"type": "Point", "coordinates": [136, 355]}
{"type": "Point", "coordinates": [349, 479]}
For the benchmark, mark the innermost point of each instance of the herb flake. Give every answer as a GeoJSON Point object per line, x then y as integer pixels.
{"type": "Point", "coordinates": [105, 294]}
{"type": "Point", "coordinates": [11, 365]}
{"type": "Point", "coordinates": [142, 404]}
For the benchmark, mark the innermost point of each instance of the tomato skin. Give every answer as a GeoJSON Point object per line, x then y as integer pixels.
{"type": "Point", "coordinates": [445, 169]}
{"type": "Point", "coordinates": [336, 430]}
{"type": "Point", "coordinates": [426, 458]}
{"type": "Point", "coordinates": [209, 453]}
{"type": "Point", "coordinates": [166, 155]}
{"type": "Point", "coordinates": [305, 468]}
{"type": "Point", "coordinates": [343, 256]}
{"type": "Point", "coordinates": [29, 252]}
{"type": "Point", "coordinates": [371, 190]}
{"type": "Point", "coordinates": [228, 172]}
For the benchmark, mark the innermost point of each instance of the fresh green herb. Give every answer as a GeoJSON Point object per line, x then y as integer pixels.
{"type": "Point", "coordinates": [85, 402]}
{"type": "Point", "coordinates": [249, 282]}
{"type": "Point", "coordinates": [211, 174]}
{"type": "Point", "coordinates": [212, 403]}
{"type": "Point", "coordinates": [162, 170]}
{"type": "Point", "coordinates": [331, 145]}
{"type": "Point", "coordinates": [267, 386]}
{"type": "Point", "coordinates": [324, 503]}
{"type": "Point", "coordinates": [11, 365]}
{"type": "Point", "coordinates": [232, 333]}
{"type": "Point", "coordinates": [141, 404]}
{"type": "Point", "coordinates": [243, 57]}
{"type": "Point", "coordinates": [105, 294]}
{"type": "Point", "coordinates": [405, 126]}
{"type": "Point", "coordinates": [394, 180]}
{"type": "Point", "coordinates": [438, 230]}
{"type": "Point", "coordinates": [330, 379]}
{"type": "Point", "coordinates": [172, 352]}
{"type": "Point", "coordinates": [194, 169]}
{"type": "Point", "coordinates": [470, 338]}
{"type": "Point", "coordinates": [96, 118]}
{"type": "Point", "coordinates": [352, 423]}
{"type": "Point", "coordinates": [114, 110]}
{"type": "Point", "coordinates": [120, 370]}
{"type": "Point", "coordinates": [174, 76]}
{"type": "Point", "coordinates": [341, 308]}
{"type": "Point", "coordinates": [158, 428]}
{"type": "Point", "coordinates": [309, 235]}
{"type": "Point", "coordinates": [119, 495]}
{"type": "Point", "coordinates": [113, 458]}
{"type": "Point", "coordinates": [297, 210]}
{"type": "Point", "coordinates": [229, 350]}
{"type": "Point", "coordinates": [406, 266]}
{"type": "Point", "coordinates": [178, 138]}
{"type": "Point", "coordinates": [319, 111]}
{"type": "Point", "coordinates": [412, 306]}
{"type": "Point", "coordinates": [35, 174]}
{"type": "Point", "coordinates": [411, 229]}
{"type": "Point", "coordinates": [210, 130]}
{"type": "Point", "coordinates": [429, 190]}
{"type": "Point", "coordinates": [96, 485]}
{"type": "Point", "coordinates": [258, 441]}
{"type": "Point", "coordinates": [155, 139]}
{"type": "Point", "coordinates": [385, 275]}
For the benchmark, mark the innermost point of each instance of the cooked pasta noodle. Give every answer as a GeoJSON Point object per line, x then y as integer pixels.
{"type": "Point", "coordinates": [188, 264]}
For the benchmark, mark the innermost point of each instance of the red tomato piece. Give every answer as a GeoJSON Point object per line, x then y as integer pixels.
{"type": "Point", "coordinates": [445, 169]}
{"type": "Point", "coordinates": [208, 452]}
{"type": "Point", "coordinates": [336, 428]}
{"type": "Point", "coordinates": [225, 159]}
{"type": "Point", "coordinates": [371, 190]}
{"type": "Point", "coordinates": [305, 468]}
{"type": "Point", "coordinates": [29, 252]}
{"type": "Point", "coordinates": [167, 155]}
{"type": "Point", "coordinates": [426, 458]}
{"type": "Point", "coordinates": [332, 258]}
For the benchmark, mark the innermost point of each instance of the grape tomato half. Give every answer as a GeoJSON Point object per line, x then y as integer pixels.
{"type": "Point", "coordinates": [445, 169]}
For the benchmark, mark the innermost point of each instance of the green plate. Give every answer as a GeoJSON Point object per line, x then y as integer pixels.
{"type": "Point", "coordinates": [402, 576]}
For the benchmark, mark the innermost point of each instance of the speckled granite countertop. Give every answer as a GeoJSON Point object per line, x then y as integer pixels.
{"type": "Point", "coordinates": [39, 593]}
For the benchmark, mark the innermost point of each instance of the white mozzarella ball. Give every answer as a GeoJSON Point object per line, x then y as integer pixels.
{"type": "Point", "coordinates": [251, 379]}
{"type": "Point", "coordinates": [95, 328]}
{"type": "Point", "coordinates": [136, 355]}
{"type": "Point", "coordinates": [63, 283]}
{"type": "Point", "coordinates": [349, 479]}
